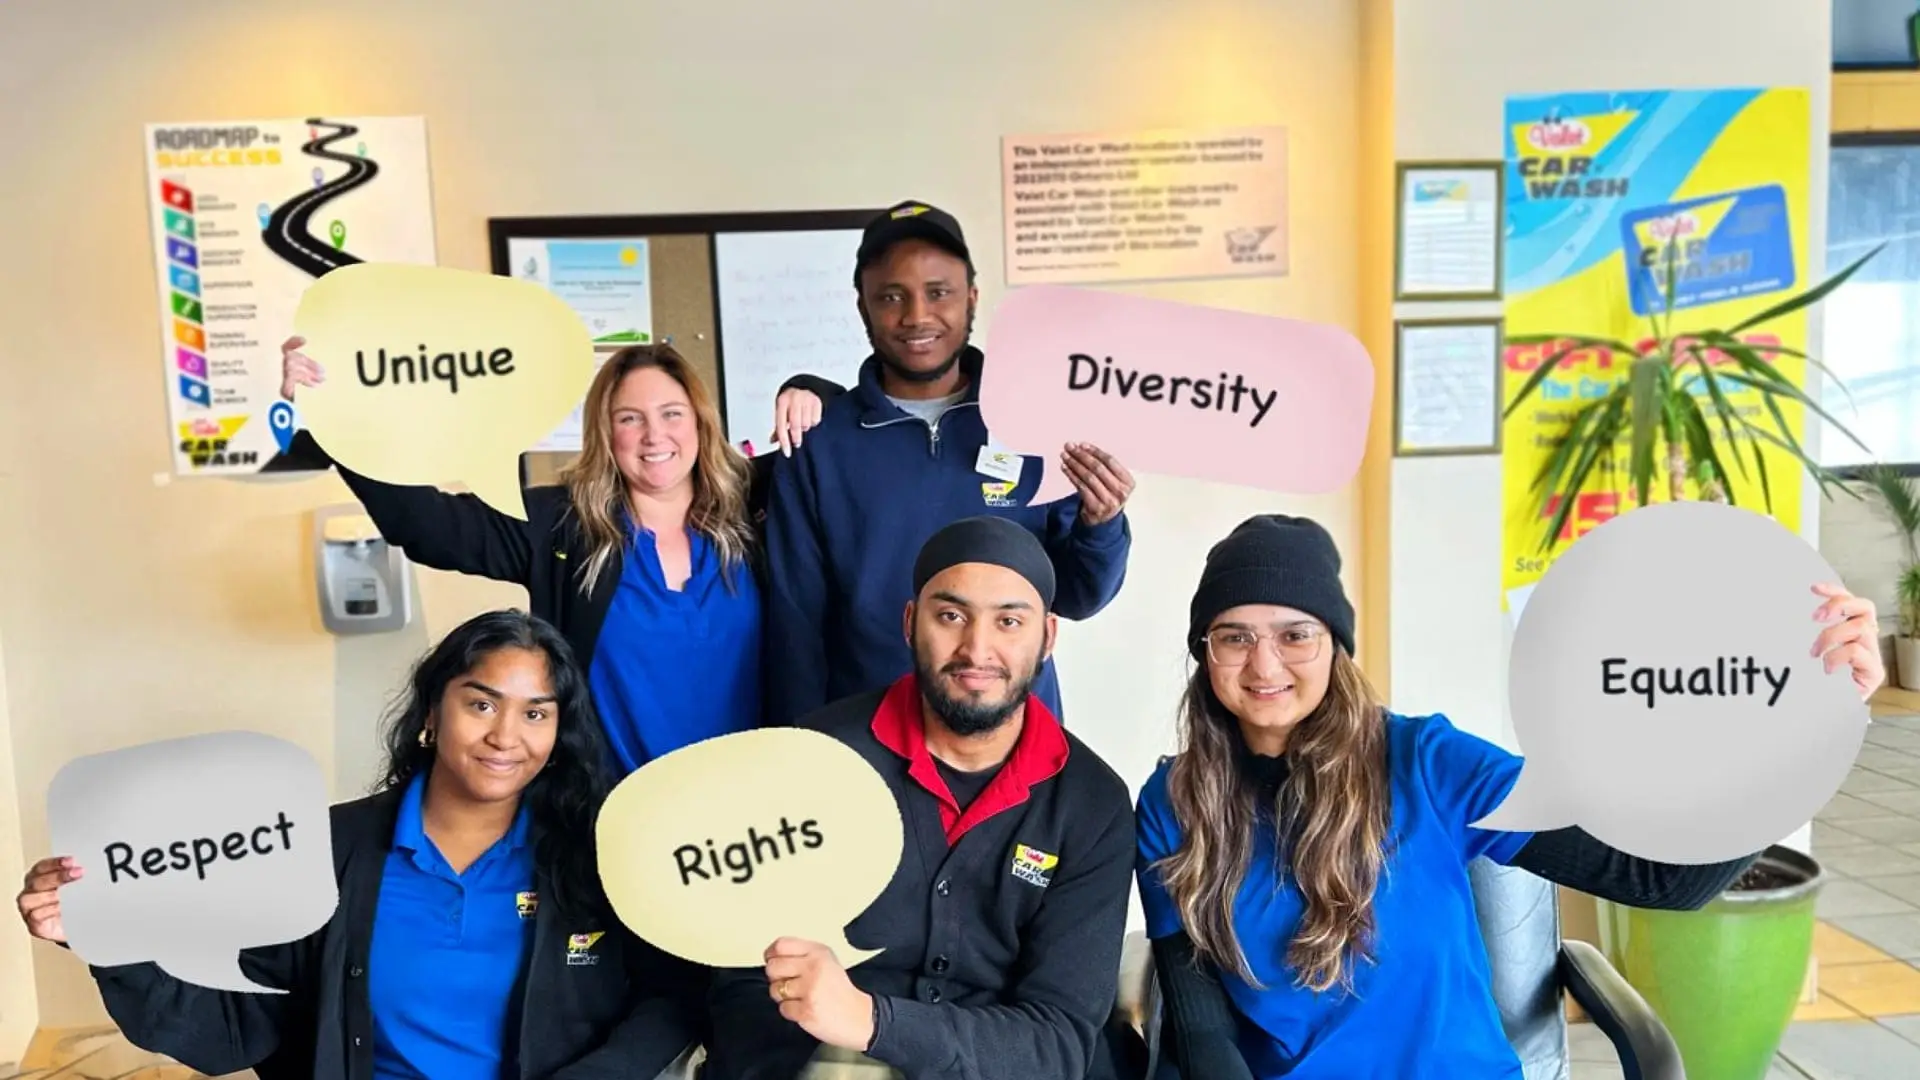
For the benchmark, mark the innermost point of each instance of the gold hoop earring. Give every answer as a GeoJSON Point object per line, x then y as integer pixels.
{"type": "Point", "coordinates": [426, 737]}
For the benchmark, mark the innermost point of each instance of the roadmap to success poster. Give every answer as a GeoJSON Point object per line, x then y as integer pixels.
{"type": "Point", "coordinates": [245, 214]}
{"type": "Point", "coordinates": [1599, 188]}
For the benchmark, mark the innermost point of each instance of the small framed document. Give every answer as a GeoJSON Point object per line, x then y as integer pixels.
{"type": "Point", "coordinates": [1447, 387]}
{"type": "Point", "coordinates": [1448, 243]}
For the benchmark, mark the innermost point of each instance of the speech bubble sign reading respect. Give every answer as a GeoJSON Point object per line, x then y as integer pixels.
{"type": "Point", "coordinates": [192, 850]}
{"type": "Point", "coordinates": [437, 375]}
{"type": "Point", "coordinates": [1176, 389]}
{"type": "Point", "coordinates": [1665, 692]}
{"type": "Point", "coordinates": [716, 850]}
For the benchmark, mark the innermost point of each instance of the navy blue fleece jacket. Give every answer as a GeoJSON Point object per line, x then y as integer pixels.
{"type": "Point", "coordinates": [847, 516]}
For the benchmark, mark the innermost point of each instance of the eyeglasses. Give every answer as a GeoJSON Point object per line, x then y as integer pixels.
{"type": "Point", "coordinates": [1296, 643]}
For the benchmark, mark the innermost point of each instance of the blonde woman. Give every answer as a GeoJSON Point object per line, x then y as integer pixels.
{"type": "Point", "coordinates": [645, 556]}
{"type": "Point", "coordinates": [1303, 860]}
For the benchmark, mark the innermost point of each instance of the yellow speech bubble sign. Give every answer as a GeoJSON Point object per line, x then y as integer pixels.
{"type": "Point", "coordinates": [715, 850]}
{"type": "Point", "coordinates": [437, 376]}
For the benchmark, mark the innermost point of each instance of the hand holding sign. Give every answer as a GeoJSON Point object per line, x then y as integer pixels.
{"type": "Point", "coordinates": [1175, 389]}
{"type": "Point", "coordinates": [1673, 696]}
{"type": "Point", "coordinates": [185, 852]}
{"type": "Point", "coordinates": [439, 375]}
{"type": "Point", "coordinates": [715, 850]}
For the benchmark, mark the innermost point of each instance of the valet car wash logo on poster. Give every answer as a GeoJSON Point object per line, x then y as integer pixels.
{"type": "Point", "coordinates": [1557, 155]}
{"type": "Point", "coordinates": [205, 442]}
{"type": "Point", "coordinates": [1243, 244]}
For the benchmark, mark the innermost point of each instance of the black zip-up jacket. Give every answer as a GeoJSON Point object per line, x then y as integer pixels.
{"type": "Point", "coordinates": [618, 1017]}
{"type": "Point", "coordinates": [1002, 927]}
{"type": "Point", "coordinates": [543, 554]}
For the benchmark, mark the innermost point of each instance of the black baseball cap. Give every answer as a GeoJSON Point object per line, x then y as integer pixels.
{"type": "Point", "coordinates": [911, 220]}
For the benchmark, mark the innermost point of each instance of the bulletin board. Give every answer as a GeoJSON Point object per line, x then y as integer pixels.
{"type": "Point", "coordinates": [749, 299]}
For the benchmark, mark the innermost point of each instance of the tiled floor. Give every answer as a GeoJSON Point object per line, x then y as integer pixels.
{"type": "Point", "coordinates": [1866, 1025]}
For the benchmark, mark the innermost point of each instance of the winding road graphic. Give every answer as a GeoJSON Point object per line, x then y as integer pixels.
{"type": "Point", "coordinates": [286, 233]}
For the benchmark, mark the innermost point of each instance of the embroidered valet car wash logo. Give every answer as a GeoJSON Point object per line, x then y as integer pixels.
{"type": "Point", "coordinates": [998, 492]}
{"type": "Point", "coordinates": [580, 949]}
{"type": "Point", "coordinates": [1243, 245]}
{"type": "Point", "coordinates": [1033, 866]}
{"type": "Point", "coordinates": [527, 904]}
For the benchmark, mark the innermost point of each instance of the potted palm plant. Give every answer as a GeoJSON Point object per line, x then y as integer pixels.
{"type": "Point", "coordinates": [1724, 979]}
{"type": "Point", "coordinates": [1902, 501]}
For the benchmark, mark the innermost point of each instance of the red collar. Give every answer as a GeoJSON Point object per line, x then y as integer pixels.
{"type": "Point", "coordinates": [1039, 756]}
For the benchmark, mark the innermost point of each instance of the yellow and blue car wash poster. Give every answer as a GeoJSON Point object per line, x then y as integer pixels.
{"type": "Point", "coordinates": [1599, 187]}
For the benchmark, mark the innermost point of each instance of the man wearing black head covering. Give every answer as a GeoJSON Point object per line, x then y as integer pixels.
{"type": "Point", "coordinates": [903, 454]}
{"type": "Point", "coordinates": [1003, 923]}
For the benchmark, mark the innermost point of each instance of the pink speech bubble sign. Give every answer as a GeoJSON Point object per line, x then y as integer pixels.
{"type": "Point", "coordinates": [1147, 388]}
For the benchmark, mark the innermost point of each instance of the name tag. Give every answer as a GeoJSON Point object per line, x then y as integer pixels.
{"type": "Point", "coordinates": [999, 464]}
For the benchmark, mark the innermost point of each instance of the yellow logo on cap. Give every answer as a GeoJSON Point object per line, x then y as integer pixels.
{"type": "Point", "coordinates": [910, 211]}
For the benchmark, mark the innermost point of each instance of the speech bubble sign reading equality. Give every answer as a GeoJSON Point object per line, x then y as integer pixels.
{"type": "Point", "coordinates": [716, 850]}
{"type": "Point", "coordinates": [437, 376]}
{"type": "Point", "coordinates": [1665, 692]}
{"type": "Point", "coordinates": [1176, 389]}
{"type": "Point", "coordinates": [193, 849]}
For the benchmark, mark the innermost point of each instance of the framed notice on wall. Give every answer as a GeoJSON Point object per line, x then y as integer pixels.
{"type": "Point", "coordinates": [1108, 207]}
{"type": "Point", "coordinates": [1447, 387]}
{"type": "Point", "coordinates": [1448, 239]}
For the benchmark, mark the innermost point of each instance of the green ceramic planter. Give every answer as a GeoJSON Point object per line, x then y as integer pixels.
{"type": "Point", "coordinates": [1727, 978]}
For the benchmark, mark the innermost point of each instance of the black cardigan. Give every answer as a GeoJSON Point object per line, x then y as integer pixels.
{"type": "Point", "coordinates": [621, 1017]}
{"type": "Point", "coordinates": [543, 554]}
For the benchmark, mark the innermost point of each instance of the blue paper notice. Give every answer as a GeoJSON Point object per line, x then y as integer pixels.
{"type": "Point", "coordinates": [1723, 247]}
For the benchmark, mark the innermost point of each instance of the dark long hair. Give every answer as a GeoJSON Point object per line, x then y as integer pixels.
{"type": "Point", "coordinates": [564, 799]}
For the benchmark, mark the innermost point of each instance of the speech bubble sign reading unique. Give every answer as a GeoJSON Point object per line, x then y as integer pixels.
{"type": "Point", "coordinates": [1665, 691]}
{"type": "Point", "coordinates": [437, 375]}
{"type": "Point", "coordinates": [716, 850]}
{"type": "Point", "coordinates": [1176, 389]}
{"type": "Point", "coordinates": [192, 850]}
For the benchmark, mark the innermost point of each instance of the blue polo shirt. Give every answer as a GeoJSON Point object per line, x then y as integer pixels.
{"type": "Point", "coordinates": [672, 668]}
{"type": "Point", "coordinates": [449, 954]}
{"type": "Point", "coordinates": [1425, 1006]}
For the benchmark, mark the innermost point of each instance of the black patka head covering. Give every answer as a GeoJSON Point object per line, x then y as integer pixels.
{"type": "Point", "coordinates": [992, 540]}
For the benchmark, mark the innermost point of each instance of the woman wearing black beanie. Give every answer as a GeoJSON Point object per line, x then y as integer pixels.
{"type": "Point", "coordinates": [1303, 860]}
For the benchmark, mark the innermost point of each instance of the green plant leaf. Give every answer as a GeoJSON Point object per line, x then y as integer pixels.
{"type": "Point", "coordinates": [1725, 409]}
{"type": "Point", "coordinates": [1714, 337]}
{"type": "Point", "coordinates": [1539, 375]}
{"type": "Point", "coordinates": [1808, 298]}
{"type": "Point", "coordinates": [1598, 441]}
{"type": "Point", "coordinates": [1647, 401]}
{"type": "Point", "coordinates": [1772, 385]}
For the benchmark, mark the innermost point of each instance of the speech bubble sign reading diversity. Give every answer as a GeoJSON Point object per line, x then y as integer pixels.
{"type": "Point", "coordinates": [192, 850]}
{"type": "Point", "coordinates": [437, 376]}
{"type": "Point", "coordinates": [1665, 691]}
{"type": "Point", "coordinates": [1176, 389]}
{"type": "Point", "coordinates": [716, 850]}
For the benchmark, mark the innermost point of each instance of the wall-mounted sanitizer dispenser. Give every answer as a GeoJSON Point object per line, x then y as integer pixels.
{"type": "Point", "coordinates": [363, 580]}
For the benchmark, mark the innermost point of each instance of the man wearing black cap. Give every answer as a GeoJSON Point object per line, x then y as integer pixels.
{"type": "Point", "coordinates": [898, 457]}
{"type": "Point", "coordinates": [1002, 925]}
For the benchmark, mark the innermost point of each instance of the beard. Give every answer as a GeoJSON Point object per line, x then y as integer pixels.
{"type": "Point", "coordinates": [969, 716]}
{"type": "Point", "coordinates": [906, 374]}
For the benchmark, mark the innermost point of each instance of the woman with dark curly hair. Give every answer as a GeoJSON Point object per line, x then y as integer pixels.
{"type": "Point", "coordinates": [472, 940]}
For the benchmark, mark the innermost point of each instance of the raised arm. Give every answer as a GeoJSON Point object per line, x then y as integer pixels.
{"type": "Point", "coordinates": [215, 1032]}
{"type": "Point", "coordinates": [1088, 538]}
{"type": "Point", "coordinates": [798, 587]}
{"type": "Point", "coordinates": [446, 532]}
{"type": "Point", "coordinates": [1069, 970]}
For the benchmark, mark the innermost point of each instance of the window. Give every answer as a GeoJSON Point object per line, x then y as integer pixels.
{"type": "Point", "coordinates": [1872, 323]}
{"type": "Point", "coordinates": [1873, 34]}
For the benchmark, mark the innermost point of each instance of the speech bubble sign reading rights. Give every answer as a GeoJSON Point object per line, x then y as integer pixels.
{"type": "Point", "coordinates": [1176, 389]}
{"type": "Point", "coordinates": [1665, 690]}
{"type": "Point", "coordinates": [718, 849]}
{"type": "Point", "coordinates": [437, 375]}
{"type": "Point", "coordinates": [192, 850]}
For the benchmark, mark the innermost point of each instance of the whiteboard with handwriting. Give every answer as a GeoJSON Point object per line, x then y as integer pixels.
{"type": "Point", "coordinates": [787, 307]}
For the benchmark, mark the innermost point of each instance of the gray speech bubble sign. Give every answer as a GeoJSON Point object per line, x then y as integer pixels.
{"type": "Point", "coordinates": [194, 849]}
{"type": "Point", "coordinates": [1665, 693]}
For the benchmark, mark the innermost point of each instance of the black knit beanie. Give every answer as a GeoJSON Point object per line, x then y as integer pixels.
{"type": "Point", "coordinates": [986, 539]}
{"type": "Point", "coordinates": [1273, 559]}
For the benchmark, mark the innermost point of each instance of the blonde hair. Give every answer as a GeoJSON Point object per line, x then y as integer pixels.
{"type": "Point", "coordinates": [1331, 819]}
{"type": "Point", "coordinates": [721, 474]}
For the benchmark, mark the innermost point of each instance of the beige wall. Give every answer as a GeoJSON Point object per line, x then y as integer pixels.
{"type": "Point", "coordinates": [138, 610]}
{"type": "Point", "coordinates": [19, 1007]}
